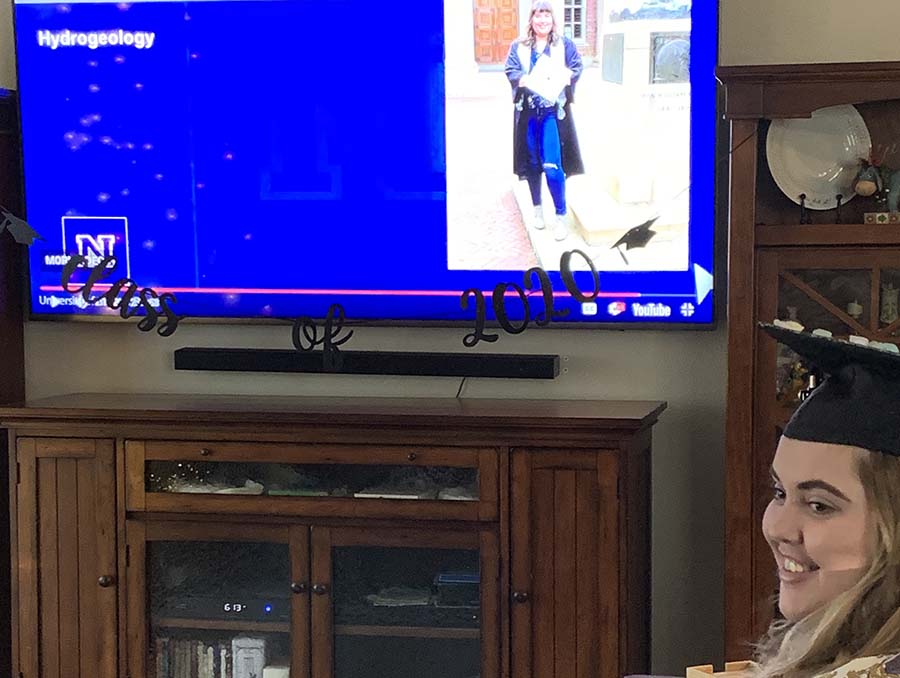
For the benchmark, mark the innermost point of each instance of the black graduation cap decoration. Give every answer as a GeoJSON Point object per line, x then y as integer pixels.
{"type": "Point", "coordinates": [18, 228]}
{"type": "Point", "coordinates": [859, 402]}
{"type": "Point", "coordinates": [635, 237]}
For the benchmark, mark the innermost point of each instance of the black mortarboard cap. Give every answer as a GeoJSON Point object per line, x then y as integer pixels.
{"type": "Point", "coordinates": [859, 402]}
{"type": "Point", "coordinates": [637, 236]}
{"type": "Point", "coordinates": [18, 228]}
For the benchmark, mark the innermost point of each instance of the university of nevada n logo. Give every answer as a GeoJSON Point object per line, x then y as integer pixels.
{"type": "Point", "coordinates": [96, 238]}
{"type": "Point", "coordinates": [95, 248]}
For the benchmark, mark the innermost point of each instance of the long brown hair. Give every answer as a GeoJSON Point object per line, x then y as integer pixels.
{"type": "Point", "coordinates": [541, 6]}
{"type": "Point", "coordinates": [861, 622]}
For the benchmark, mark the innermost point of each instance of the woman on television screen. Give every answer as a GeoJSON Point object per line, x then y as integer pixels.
{"type": "Point", "coordinates": [833, 523]}
{"type": "Point", "coordinates": [543, 68]}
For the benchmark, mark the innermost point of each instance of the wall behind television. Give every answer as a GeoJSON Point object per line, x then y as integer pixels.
{"type": "Point", "coordinates": [7, 55]}
{"type": "Point", "coordinates": [801, 31]}
{"type": "Point", "coordinates": [685, 368]}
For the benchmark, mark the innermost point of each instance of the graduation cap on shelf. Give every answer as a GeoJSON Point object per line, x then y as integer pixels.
{"type": "Point", "coordinates": [637, 236]}
{"type": "Point", "coordinates": [858, 404]}
{"type": "Point", "coordinates": [18, 228]}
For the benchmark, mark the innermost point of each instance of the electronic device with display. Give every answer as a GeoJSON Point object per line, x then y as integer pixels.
{"type": "Point", "coordinates": [241, 157]}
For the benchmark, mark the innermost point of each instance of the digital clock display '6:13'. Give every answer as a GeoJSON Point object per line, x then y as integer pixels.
{"type": "Point", "coordinates": [237, 608]}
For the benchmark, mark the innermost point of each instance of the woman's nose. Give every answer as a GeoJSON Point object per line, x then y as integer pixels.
{"type": "Point", "coordinates": [783, 524]}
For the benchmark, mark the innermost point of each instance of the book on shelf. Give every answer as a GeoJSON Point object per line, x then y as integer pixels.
{"type": "Point", "coordinates": [185, 658]}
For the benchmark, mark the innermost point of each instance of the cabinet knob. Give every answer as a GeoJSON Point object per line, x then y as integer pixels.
{"type": "Point", "coordinates": [520, 597]}
{"type": "Point", "coordinates": [412, 456]}
{"type": "Point", "coordinates": [299, 587]}
{"type": "Point", "coordinates": [205, 452]}
{"type": "Point", "coordinates": [105, 581]}
{"type": "Point", "coordinates": [320, 589]}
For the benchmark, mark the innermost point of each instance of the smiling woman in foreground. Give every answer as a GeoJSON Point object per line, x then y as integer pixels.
{"type": "Point", "coordinates": [833, 523]}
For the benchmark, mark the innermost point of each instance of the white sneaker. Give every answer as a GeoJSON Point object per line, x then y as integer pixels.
{"type": "Point", "coordinates": [560, 230]}
{"type": "Point", "coordinates": [539, 218]}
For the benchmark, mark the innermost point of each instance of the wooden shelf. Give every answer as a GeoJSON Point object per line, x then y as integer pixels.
{"type": "Point", "coordinates": [222, 625]}
{"type": "Point", "coordinates": [804, 235]}
{"type": "Point", "coordinates": [407, 631]}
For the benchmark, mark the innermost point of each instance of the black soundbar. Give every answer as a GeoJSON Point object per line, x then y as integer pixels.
{"type": "Point", "coordinates": [500, 365]}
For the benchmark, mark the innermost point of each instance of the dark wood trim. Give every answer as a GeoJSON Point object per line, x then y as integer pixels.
{"type": "Point", "coordinates": [122, 541]}
{"type": "Point", "coordinates": [589, 417]}
{"type": "Point", "coordinates": [235, 531]}
{"type": "Point", "coordinates": [612, 574]}
{"type": "Point", "coordinates": [490, 611]}
{"type": "Point", "coordinates": [629, 476]}
{"type": "Point", "coordinates": [417, 509]}
{"type": "Point", "coordinates": [411, 539]}
{"type": "Point", "coordinates": [818, 72]}
{"type": "Point", "coordinates": [521, 579]}
{"type": "Point", "coordinates": [504, 564]}
{"type": "Point", "coordinates": [322, 606]}
{"type": "Point", "coordinates": [739, 592]}
{"type": "Point", "coordinates": [301, 658]}
{"type": "Point", "coordinates": [175, 450]}
{"type": "Point", "coordinates": [136, 641]}
{"type": "Point", "coordinates": [795, 90]}
{"type": "Point", "coordinates": [101, 509]}
{"type": "Point", "coordinates": [220, 625]}
{"type": "Point", "coordinates": [824, 235]}
{"type": "Point", "coordinates": [407, 632]}
{"type": "Point", "coordinates": [12, 612]}
{"type": "Point", "coordinates": [27, 575]}
{"type": "Point", "coordinates": [764, 409]}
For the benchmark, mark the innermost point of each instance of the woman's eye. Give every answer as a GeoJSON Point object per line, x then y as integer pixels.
{"type": "Point", "coordinates": [778, 493]}
{"type": "Point", "coordinates": [819, 507]}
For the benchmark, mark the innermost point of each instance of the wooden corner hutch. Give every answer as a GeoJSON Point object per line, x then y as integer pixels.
{"type": "Point", "coordinates": [826, 274]}
{"type": "Point", "coordinates": [179, 536]}
{"type": "Point", "coordinates": [12, 352]}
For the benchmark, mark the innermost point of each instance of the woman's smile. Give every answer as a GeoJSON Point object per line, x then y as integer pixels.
{"type": "Point", "coordinates": [542, 23]}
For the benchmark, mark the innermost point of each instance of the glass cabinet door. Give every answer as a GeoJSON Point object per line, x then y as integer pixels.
{"type": "Point", "coordinates": [415, 482]}
{"type": "Point", "coordinates": [888, 306]}
{"type": "Point", "coordinates": [220, 601]}
{"type": "Point", "coordinates": [847, 293]}
{"type": "Point", "coordinates": [404, 604]}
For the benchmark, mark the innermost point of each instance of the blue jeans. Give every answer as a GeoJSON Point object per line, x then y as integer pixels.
{"type": "Point", "coordinates": [545, 157]}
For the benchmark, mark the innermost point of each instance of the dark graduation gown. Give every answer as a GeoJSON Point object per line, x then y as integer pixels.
{"type": "Point", "coordinates": [571, 153]}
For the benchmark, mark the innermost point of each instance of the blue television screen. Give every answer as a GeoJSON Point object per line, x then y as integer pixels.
{"type": "Point", "coordinates": [270, 158]}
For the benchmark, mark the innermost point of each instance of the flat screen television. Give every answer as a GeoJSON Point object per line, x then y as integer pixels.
{"type": "Point", "coordinates": [269, 158]}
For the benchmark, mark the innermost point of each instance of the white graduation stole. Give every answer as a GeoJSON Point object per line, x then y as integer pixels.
{"type": "Point", "coordinates": [557, 54]}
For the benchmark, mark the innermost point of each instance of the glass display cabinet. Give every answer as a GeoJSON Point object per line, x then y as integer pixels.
{"type": "Point", "coordinates": [421, 482]}
{"type": "Point", "coordinates": [248, 601]}
{"type": "Point", "coordinates": [801, 245]}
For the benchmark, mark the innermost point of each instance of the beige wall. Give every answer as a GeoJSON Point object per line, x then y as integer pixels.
{"type": "Point", "coordinates": [808, 31]}
{"type": "Point", "coordinates": [685, 368]}
{"type": "Point", "coordinates": [7, 53]}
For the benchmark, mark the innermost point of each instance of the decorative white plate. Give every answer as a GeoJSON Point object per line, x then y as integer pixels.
{"type": "Point", "coordinates": [818, 156]}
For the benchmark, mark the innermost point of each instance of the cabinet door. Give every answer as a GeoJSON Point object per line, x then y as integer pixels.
{"type": "Point", "coordinates": [217, 599]}
{"type": "Point", "coordinates": [565, 565]}
{"type": "Point", "coordinates": [847, 291]}
{"type": "Point", "coordinates": [66, 539]}
{"type": "Point", "coordinates": [404, 603]}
